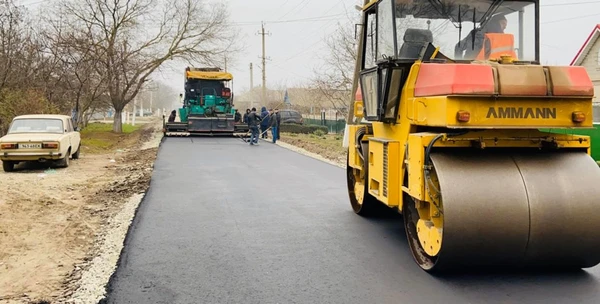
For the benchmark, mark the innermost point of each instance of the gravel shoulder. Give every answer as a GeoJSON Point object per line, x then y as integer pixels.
{"type": "Point", "coordinates": [62, 230]}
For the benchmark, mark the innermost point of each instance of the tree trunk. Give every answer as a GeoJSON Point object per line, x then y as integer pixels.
{"type": "Point", "coordinates": [118, 124]}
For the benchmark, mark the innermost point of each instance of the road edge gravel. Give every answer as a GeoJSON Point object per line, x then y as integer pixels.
{"type": "Point", "coordinates": [99, 272]}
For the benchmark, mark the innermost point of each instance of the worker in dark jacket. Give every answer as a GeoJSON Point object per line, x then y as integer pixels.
{"type": "Point", "coordinates": [254, 121]}
{"type": "Point", "coordinates": [246, 116]}
{"type": "Point", "coordinates": [274, 124]}
{"type": "Point", "coordinates": [172, 116]}
{"type": "Point", "coordinates": [264, 125]}
{"type": "Point", "coordinates": [278, 115]}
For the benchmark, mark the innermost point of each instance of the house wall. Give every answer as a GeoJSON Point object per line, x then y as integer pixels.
{"type": "Point", "coordinates": [590, 62]}
{"type": "Point", "coordinates": [592, 65]}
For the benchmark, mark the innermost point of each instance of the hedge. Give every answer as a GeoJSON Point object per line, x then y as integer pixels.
{"type": "Point", "coordinates": [305, 129]}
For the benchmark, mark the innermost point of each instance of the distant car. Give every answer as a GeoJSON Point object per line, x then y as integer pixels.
{"type": "Point", "coordinates": [40, 138]}
{"type": "Point", "coordinates": [291, 116]}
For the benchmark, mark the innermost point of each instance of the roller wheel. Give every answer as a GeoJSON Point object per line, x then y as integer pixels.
{"type": "Point", "coordinates": [423, 223]}
{"type": "Point", "coordinates": [362, 202]}
{"type": "Point", "coordinates": [501, 210]}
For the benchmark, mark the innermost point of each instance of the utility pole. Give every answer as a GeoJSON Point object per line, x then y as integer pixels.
{"type": "Point", "coordinates": [225, 63]}
{"type": "Point", "coordinates": [264, 58]}
{"type": "Point", "coordinates": [251, 77]}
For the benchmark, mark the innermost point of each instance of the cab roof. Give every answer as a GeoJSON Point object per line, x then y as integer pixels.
{"type": "Point", "coordinates": [414, 7]}
{"type": "Point", "coordinates": [42, 116]}
{"type": "Point", "coordinates": [204, 75]}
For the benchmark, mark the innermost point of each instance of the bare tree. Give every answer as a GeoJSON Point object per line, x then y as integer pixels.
{"type": "Point", "coordinates": [76, 70]}
{"type": "Point", "coordinates": [23, 67]}
{"type": "Point", "coordinates": [130, 39]}
{"type": "Point", "coordinates": [334, 80]}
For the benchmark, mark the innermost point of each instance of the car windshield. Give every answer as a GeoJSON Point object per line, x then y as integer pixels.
{"type": "Point", "coordinates": [36, 125]}
{"type": "Point", "coordinates": [462, 29]}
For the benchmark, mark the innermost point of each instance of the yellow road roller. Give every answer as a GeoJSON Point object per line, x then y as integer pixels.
{"type": "Point", "coordinates": [444, 128]}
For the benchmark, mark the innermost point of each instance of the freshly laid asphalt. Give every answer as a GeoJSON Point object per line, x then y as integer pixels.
{"type": "Point", "coordinates": [224, 222]}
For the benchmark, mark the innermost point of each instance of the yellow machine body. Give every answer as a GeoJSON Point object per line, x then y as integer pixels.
{"type": "Point", "coordinates": [464, 161]}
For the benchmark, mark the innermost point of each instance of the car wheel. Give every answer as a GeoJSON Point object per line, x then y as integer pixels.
{"type": "Point", "coordinates": [8, 166]}
{"type": "Point", "coordinates": [76, 155]}
{"type": "Point", "coordinates": [64, 163]}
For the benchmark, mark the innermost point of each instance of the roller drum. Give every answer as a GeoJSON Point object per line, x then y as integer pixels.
{"type": "Point", "coordinates": [564, 199]}
{"type": "Point", "coordinates": [504, 209]}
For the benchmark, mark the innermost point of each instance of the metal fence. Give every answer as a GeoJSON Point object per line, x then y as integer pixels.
{"type": "Point", "coordinates": [334, 126]}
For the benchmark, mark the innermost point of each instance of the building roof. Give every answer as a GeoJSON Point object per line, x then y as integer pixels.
{"type": "Point", "coordinates": [586, 46]}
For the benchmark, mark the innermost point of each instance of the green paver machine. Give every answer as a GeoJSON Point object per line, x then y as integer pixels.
{"type": "Point", "coordinates": [207, 105]}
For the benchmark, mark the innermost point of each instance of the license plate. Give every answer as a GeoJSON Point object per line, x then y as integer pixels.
{"type": "Point", "coordinates": [30, 146]}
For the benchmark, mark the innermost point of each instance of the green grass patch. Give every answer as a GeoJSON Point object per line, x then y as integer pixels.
{"type": "Point", "coordinates": [107, 127]}
{"type": "Point", "coordinates": [99, 137]}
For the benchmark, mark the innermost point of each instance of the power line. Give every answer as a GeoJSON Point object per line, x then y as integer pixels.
{"type": "Point", "coordinates": [295, 7]}
{"type": "Point", "coordinates": [572, 18]}
{"type": "Point", "coordinates": [572, 3]}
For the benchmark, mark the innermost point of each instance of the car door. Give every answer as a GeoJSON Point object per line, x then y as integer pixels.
{"type": "Point", "coordinates": [285, 116]}
{"type": "Point", "coordinates": [75, 137]}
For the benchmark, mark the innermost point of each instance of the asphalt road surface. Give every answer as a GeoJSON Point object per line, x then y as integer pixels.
{"type": "Point", "coordinates": [224, 222]}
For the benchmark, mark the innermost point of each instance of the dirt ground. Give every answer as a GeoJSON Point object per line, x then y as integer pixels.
{"type": "Point", "coordinates": [51, 220]}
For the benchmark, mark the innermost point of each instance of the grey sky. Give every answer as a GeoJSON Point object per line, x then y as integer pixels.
{"type": "Point", "coordinates": [295, 48]}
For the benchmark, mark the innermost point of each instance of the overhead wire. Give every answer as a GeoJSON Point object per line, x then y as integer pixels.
{"type": "Point", "coordinates": [569, 3]}
{"type": "Point", "coordinates": [571, 18]}
{"type": "Point", "coordinates": [295, 7]}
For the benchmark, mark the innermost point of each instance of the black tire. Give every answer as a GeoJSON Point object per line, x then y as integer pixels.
{"type": "Point", "coordinates": [8, 166]}
{"type": "Point", "coordinates": [64, 163]}
{"type": "Point", "coordinates": [76, 155]}
{"type": "Point", "coordinates": [368, 206]}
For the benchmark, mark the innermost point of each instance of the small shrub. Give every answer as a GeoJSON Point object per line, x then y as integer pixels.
{"type": "Point", "coordinates": [319, 133]}
{"type": "Point", "coordinates": [303, 129]}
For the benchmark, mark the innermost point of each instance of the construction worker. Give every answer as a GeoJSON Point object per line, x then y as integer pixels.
{"type": "Point", "coordinates": [274, 124]}
{"type": "Point", "coordinates": [172, 116]}
{"type": "Point", "coordinates": [497, 43]}
{"type": "Point", "coordinates": [490, 43]}
{"type": "Point", "coordinates": [246, 116]}
{"type": "Point", "coordinates": [254, 121]}
{"type": "Point", "coordinates": [278, 116]}
{"type": "Point", "coordinates": [264, 125]}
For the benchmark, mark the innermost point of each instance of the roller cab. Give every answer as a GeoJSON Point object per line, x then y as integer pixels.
{"type": "Point", "coordinates": [450, 137]}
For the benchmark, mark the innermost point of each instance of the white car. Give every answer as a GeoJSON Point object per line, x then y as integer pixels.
{"type": "Point", "coordinates": [40, 138]}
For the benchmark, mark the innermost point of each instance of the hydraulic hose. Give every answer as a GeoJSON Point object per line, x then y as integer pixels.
{"type": "Point", "coordinates": [359, 135]}
{"type": "Point", "coordinates": [428, 166]}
